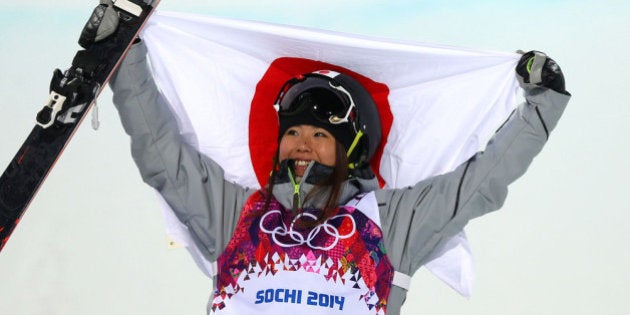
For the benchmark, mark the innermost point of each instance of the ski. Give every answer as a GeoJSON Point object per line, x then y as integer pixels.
{"type": "Point", "coordinates": [105, 39]}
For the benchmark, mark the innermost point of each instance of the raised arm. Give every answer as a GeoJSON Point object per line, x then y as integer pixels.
{"type": "Point", "coordinates": [191, 183]}
{"type": "Point", "coordinates": [417, 219]}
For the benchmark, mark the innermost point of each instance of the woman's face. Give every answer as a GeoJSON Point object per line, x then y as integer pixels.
{"type": "Point", "coordinates": [306, 143]}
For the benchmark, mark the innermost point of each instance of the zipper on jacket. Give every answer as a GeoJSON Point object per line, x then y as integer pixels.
{"type": "Point", "coordinates": [297, 203]}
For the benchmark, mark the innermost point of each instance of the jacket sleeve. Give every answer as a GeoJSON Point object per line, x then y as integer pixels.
{"type": "Point", "coordinates": [191, 183]}
{"type": "Point", "coordinates": [417, 219]}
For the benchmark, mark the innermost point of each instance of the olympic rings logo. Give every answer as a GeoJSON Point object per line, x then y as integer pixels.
{"type": "Point", "coordinates": [299, 239]}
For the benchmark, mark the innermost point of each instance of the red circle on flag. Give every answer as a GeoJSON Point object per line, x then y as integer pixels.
{"type": "Point", "coordinates": [263, 121]}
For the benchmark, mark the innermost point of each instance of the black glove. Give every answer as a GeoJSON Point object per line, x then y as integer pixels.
{"type": "Point", "coordinates": [102, 23]}
{"type": "Point", "coordinates": [536, 69]}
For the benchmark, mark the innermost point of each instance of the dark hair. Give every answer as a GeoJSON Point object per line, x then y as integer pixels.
{"type": "Point", "coordinates": [332, 185]}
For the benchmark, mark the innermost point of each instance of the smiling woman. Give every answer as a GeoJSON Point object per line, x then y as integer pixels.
{"type": "Point", "coordinates": [529, 260]}
{"type": "Point", "coordinates": [305, 144]}
{"type": "Point", "coordinates": [337, 103]}
{"type": "Point", "coordinates": [322, 219]}
{"type": "Point", "coordinates": [329, 128]}
{"type": "Point", "coordinates": [309, 112]}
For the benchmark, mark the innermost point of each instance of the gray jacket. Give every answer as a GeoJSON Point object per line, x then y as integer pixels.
{"type": "Point", "coordinates": [415, 220]}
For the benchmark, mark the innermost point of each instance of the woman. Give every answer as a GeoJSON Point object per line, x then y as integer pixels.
{"type": "Point", "coordinates": [322, 238]}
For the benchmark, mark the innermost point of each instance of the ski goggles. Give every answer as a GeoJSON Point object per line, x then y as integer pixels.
{"type": "Point", "coordinates": [341, 110]}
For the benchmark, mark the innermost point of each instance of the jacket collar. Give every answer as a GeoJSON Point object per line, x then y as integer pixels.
{"type": "Point", "coordinates": [285, 187]}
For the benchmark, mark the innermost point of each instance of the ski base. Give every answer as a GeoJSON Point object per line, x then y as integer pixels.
{"type": "Point", "coordinates": [73, 93]}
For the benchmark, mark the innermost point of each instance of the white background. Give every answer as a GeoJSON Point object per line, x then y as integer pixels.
{"type": "Point", "coordinates": [93, 241]}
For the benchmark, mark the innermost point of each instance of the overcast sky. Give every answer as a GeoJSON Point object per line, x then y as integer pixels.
{"type": "Point", "coordinates": [93, 241]}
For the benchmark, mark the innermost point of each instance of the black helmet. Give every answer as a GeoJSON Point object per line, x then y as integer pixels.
{"type": "Point", "coordinates": [336, 102]}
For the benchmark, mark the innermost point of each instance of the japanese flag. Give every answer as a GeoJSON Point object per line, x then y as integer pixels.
{"type": "Point", "coordinates": [438, 105]}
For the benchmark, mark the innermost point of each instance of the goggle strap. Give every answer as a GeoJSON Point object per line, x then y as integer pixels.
{"type": "Point", "coordinates": [354, 143]}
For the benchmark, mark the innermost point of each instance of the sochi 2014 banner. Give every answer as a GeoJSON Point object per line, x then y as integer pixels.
{"type": "Point", "coordinates": [438, 104]}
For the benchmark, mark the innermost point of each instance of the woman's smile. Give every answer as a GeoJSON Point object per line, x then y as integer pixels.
{"type": "Point", "coordinates": [306, 143]}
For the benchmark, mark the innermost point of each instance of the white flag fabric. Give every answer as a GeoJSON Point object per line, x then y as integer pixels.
{"type": "Point", "coordinates": [439, 105]}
